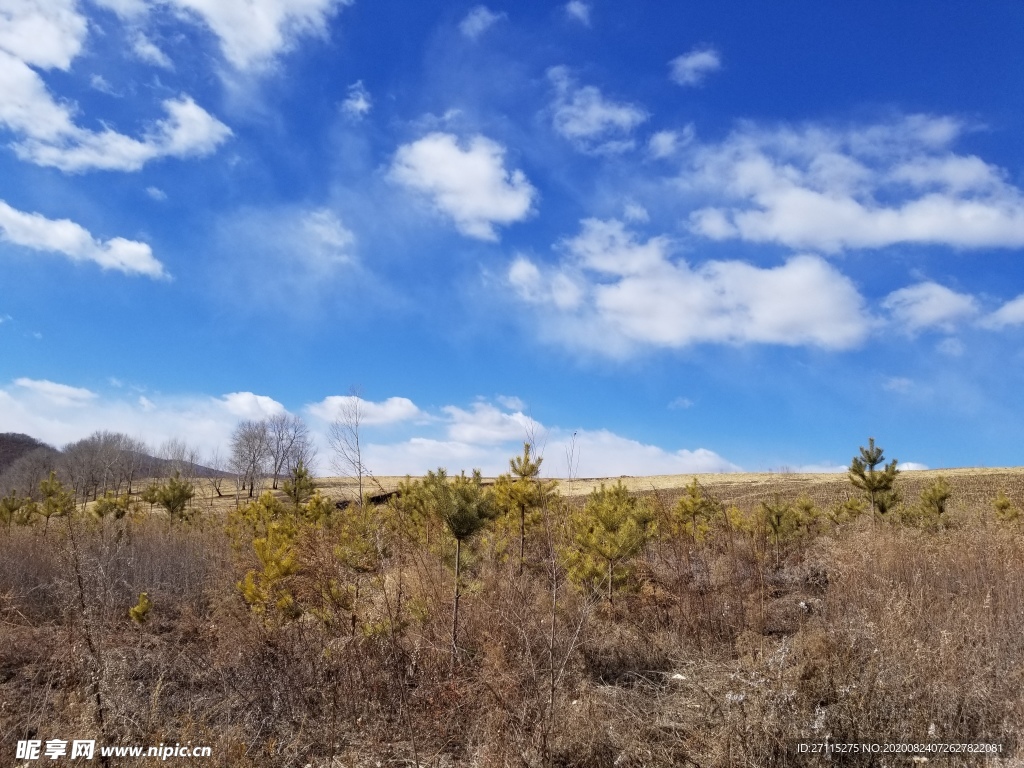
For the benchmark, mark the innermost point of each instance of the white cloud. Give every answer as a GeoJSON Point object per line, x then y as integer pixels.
{"type": "Point", "coordinates": [605, 454]}
{"type": "Point", "coordinates": [913, 466]}
{"type": "Point", "coordinates": [479, 20]}
{"type": "Point", "coordinates": [101, 84]}
{"type": "Point", "coordinates": [253, 32]}
{"type": "Point", "coordinates": [466, 181]}
{"type": "Point", "coordinates": [614, 294]}
{"type": "Point", "coordinates": [511, 402]}
{"type": "Point", "coordinates": [36, 35]}
{"type": "Point", "coordinates": [187, 131]}
{"type": "Point", "coordinates": [42, 33]}
{"type": "Point", "coordinates": [485, 424]}
{"type": "Point", "coordinates": [667, 143]}
{"type": "Point", "coordinates": [591, 122]}
{"type": "Point", "coordinates": [59, 414]}
{"type": "Point", "coordinates": [863, 187]}
{"type": "Point", "coordinates": [578, 11]}
{"type": "Point", "coordinates": [391, 411]}
{"type": "Point", "coordinates": [358, 103]}
{"type": "Point", "coordinates": [485, 438]}
{"type": "Point", "coordinates": [302, 252]}
{"type": "Point", "coordinates": [635, 212]}
{"type": "Point", "coordinates": [148, 51]}
{"type": "Point", "coordinates": [32, 230]}
{"type": "Point", "coordinates": [691, 68]}
{"type": "Point", "coordinates": [680, 403]}
{"type": "Point", "coordinates": [480, 436]}
{"type": "Point", "coordinates": [60, 395]}
{"type": "Point", "coordinates": [929, 305]}
{"type": "Point", "coordinates": [156, 193]}
{"type": "Point", "coordinates": [246, 405]}
{"type": "Point", "coordinates": [1011, 313]}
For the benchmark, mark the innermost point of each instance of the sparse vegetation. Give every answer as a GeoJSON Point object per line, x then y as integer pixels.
{"type": "Point", "coordinates": [708, 623]}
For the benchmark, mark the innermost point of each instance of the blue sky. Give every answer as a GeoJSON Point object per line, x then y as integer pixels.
{"type": "Point", "coordinates": [700, 237]}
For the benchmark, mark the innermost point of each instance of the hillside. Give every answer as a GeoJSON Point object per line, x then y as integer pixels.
{"type": "Point", "coordinates": [14, 445]}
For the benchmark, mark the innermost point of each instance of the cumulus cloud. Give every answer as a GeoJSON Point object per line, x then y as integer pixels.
{"type": "Point", "coordinates": [247, 405]}
{"type": "Point", "coordinates": [485, 437]}
{"type": "Point", "coordinates": [480, 436]}
{"type": "Point", "coordinates": [578, 11]}
{"type": "Point", "coordinates": [49, 36]}
{"type": "Point", "coordinates": [590, 121]}
{"type": "Point", "coordinates": [390, 411]}
{"type": "Point", "coordinates": [60, 413]}
{"type": "Point", "coordinates": [862, 187]}
{"type": "Point", "coordinates": [479, 20]}
{"type": "Point", "coordinates": [1011, 313]}
{"type": "Point", "coordinates": [929, 305]}
{"type": "Point", "coordinates": [35, 231]}
{"type": "Point", "coordinates": [614, 294]}
{"type": "Point", "coordinates": [358, 103]}
{"type": "Point", "coordinates": [187, 131]}
{"type": "Point", "coordinates": [467, 181]}
{"type": "Point", "coordinates": [693, 67]}
{"type": "Point", "coordinates": [484, 423]}
{"type": "Point", "coordinates": [252, 33]}
{"type": "Point", "coordinates": [42, 34]}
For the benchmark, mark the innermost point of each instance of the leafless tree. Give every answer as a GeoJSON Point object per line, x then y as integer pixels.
{"type": "Point", "coordinates": [219, 466]}
{"type": "Point", "coordinates": [250, 449]}
{"type": "Point", "coordinates": [287, 437]}
{"type": "Point", "coordinates": [133, 462]}
{"type": "Point", "coordinates": [178, 456]}
{"type": "Point", "coordinates": [345, 439]}
{"type": "Point", "coordinates": [25, 473]}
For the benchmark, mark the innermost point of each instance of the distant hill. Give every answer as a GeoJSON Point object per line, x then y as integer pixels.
{"type": "Point", "coordinates": [14, 445]}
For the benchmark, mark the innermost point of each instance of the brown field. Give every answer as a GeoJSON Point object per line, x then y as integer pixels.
{"type": "Point", "coordinates": [717, 652]}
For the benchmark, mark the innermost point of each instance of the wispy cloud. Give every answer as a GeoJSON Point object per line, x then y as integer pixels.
{"type": "Point", "coordinates": [579, 11]}
{"type": "Point", "coordinates": [589, 120]}
{"type": "Point", "coordinates": [479, 20]}
{"type": "Point", "coordinates": [929, 305]}
{"type": "Point", "coordinates": [358, 103]}
{"type": "Point", "coordinates": [693, 68]}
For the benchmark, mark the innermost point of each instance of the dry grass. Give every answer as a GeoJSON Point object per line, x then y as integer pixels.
{"type": "Point", "coordinates": [718, 655]}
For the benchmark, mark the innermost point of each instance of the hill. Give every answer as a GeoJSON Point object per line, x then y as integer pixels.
{"type": "Point", "coordinates": [14, 445]}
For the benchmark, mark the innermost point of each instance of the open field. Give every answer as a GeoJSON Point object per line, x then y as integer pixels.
{"type": "Point", "coordinates": [283, 640]}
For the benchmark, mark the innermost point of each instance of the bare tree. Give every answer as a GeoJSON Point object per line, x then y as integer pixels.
{"type": "Point", "coordinates": [219, 466]}
{"type": "Point", "coordinates": [25, 474]}
{"type": "Point", "coordinates": [287, 436]}
{"type": "Point", "coordinates": [250, 449]}
{"type": "Point", "coordinates": [178, 456]}
{"type": "Point", "coordinates": [133, 461]}
{"type": "Point", "coordinates": [345, 439]}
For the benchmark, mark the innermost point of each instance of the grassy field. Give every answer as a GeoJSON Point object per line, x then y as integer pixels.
{"type": "Point", "coordinates": [328, 643]}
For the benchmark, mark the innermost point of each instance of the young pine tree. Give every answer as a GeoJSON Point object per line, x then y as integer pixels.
{"type": "Point", "coordinates": [523, 494]}
{"type": "Point", "coordinates": [465, 508]}
{"type": "Point", "coordinates": [611, 529]}
{"type": "Point", "coordinates": [876, 485]}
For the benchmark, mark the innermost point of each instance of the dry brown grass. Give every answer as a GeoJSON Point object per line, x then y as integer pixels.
{"type": "Point", "coordinates": [718, 656]}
